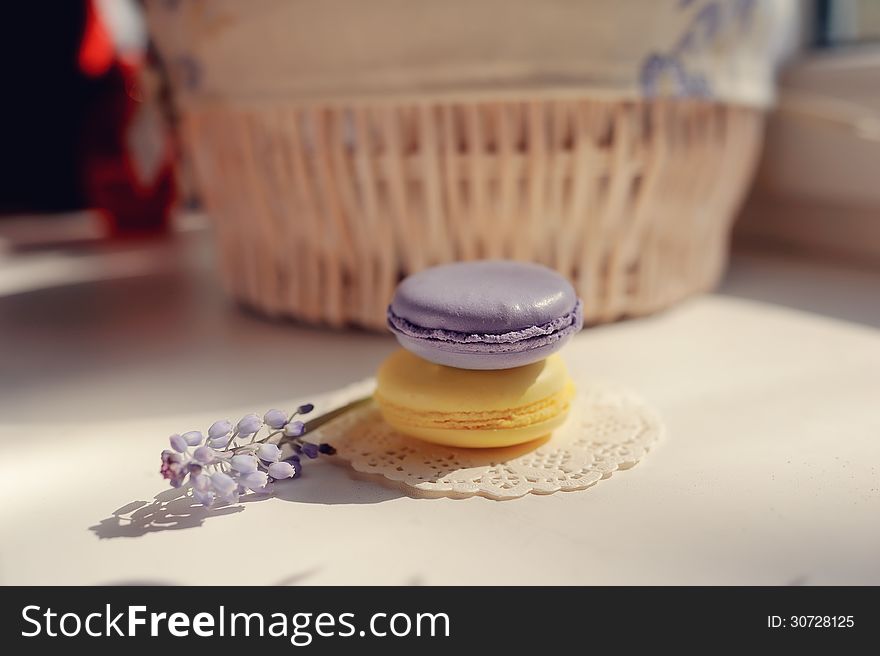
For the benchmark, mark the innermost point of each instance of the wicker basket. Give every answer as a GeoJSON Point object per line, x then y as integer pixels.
{"type": "Point", "coordinates": [322, 204]}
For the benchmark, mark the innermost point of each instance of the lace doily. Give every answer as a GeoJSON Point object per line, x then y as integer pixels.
{"type": "Point", "coordinates": [607, 430]}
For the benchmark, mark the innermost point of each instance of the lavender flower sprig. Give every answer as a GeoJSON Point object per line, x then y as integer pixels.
{"type": "Point", "coordinates": [233, 459]}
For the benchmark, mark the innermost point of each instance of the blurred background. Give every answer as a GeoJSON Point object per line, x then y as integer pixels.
{"type": "Point", "coordinates": [295, 160]}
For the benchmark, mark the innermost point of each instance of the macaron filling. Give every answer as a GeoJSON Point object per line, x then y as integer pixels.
{"type": "Point", "coordinates": [513, 341]}
{"type": "Point", "coordinates": [532, 414]}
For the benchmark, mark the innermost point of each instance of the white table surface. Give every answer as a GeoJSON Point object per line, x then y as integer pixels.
{"type": "Point", "coordinates": [769, 474]}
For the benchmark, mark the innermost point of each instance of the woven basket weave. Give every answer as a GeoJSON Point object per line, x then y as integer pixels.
{"type": "Point", "coordinates": [321, 210]}
{"type": "Point", "coordinates": [341, 145]}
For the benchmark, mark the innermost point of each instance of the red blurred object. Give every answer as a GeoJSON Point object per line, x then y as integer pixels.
{"type": "Point", "coordinates": [96, 52]}
{"type": "Point", "coordinates": [126, 148]}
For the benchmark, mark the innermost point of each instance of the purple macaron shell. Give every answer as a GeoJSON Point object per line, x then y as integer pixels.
{"type": "Point", "coordinates": [485, 315]}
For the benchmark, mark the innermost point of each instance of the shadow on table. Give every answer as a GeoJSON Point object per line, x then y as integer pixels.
{"type": "Point", "coordinates": [174, 509]}
{"type": "Point", "coordinates": [169, 511]}
{"type": "Point", "coordinates": [818, 284]}
{"type": "Point", "coordinates": [331, 484]}
{"type": "Point", "coordinates": [294, 578]}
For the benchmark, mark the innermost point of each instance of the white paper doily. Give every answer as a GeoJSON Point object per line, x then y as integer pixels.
{"type": "Point", "coordinates": [607, 430]}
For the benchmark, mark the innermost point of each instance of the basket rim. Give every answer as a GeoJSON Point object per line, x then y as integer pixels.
{"type": "Point", "coordinates": [523, 94]}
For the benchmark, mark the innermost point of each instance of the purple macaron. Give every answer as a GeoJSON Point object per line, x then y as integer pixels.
{"type": "Point", "coordinates": [491, 314]}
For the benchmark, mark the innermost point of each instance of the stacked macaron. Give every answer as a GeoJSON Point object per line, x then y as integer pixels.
{"type": "Point", "coordinates": [480, 367]}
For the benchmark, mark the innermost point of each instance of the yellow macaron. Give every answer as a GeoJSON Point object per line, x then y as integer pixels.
{"type": "Point", "coordinates": [465, 408]}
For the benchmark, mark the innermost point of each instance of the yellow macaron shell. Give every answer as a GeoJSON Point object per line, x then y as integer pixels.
{"type": "Point", "coordinates": [467, 408]}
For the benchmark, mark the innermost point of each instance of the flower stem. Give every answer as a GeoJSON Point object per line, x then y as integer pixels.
{"type": "Point", "coordinates": [231, 439]}
{"type": "Point", "coordinates": [317, 422]}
